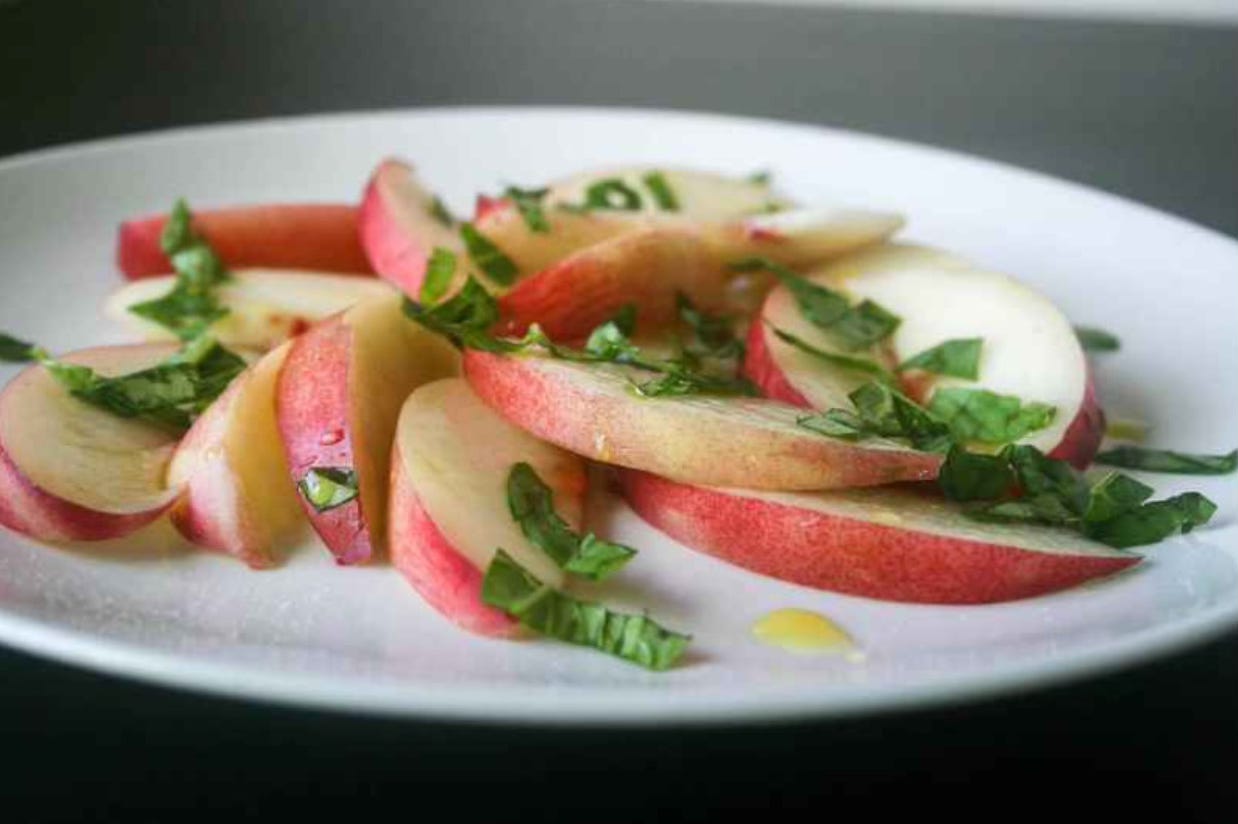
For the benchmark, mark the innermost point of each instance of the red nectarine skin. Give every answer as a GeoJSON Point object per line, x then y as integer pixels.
{"type": "Point", "coordinates": [857, 557]}
{"type": "Point", "coordinates": [759, 367]}
{"type": "Point", "coordinates": [317, 236]}
{"type": "Point", "coordinates": [588, 288]}
{"type": "Point", "coordinates": [1082, 438]}
{"type": "Point", "coordinates": [440, 574]}
{"type": "Point", "coordinates": [323, 351]}
{"type": "Point", "coordinates": [394, 253]}
{"type": "Point", "coordinates": [30, 510]}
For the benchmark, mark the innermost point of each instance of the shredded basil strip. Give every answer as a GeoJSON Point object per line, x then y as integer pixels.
{"type": "Point", "coordinates": [488, 257]}
{"type": "Point", "coordinates": [440, 270]}
{"type": "Point", "coordinates": [956, 358]}
{"type": "Point", "coordinates": [440, 212]}
{"type": "Point", "coordinates": [662, 192]}
{"type": "Point", "coordinates": [1165, 460]}
{"type": "Point", "coordinates": [882, 411]}
{"type": "Point", "coordinates": [170, 394]}
{"type": "Point", "coordinates": [713, 335]}
{"type": "Point", "coordinates": [529, 203]}
{"type": "Point", "coordinates": [635, 638]}
{"type": "Point", "coordinates": [13, 350]}
{"type": "Point", "coordinates": [612, 194]}
{"type": "Point", "coordinates": [868, 367]}
{"type": "Point", "coordinates": [987, 417]}
{"type": "Point", "coordinates": [531, 503]}
{"type": "Point", "coordinates": [1023, 485]}
{"type": "Point", "coordinates": [328, 487]}
{"type": "Point", "coordinates": [191, 306]}
{"type": "Point", "coordinates": [855, 327]}
{"type": "Point", "coordinates": [1097, 340]}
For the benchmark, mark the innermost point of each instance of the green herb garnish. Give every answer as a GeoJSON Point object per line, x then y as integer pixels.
{"type": "Point", "coordinates": [854, 327]}
{"type": "Point", "coordinates": [636, 638]}
{"type": "Point", "coordinates": [170, 394]}
{"type": "Point", "coordinates": [529, 203]}
{"type": "Point", "coordinates": [987, 417]}
{"type": "Point", "coordinates": [864, 365]}
{"type": "Point", "coordinates": [532, 506]}
{"type": "Point", "coordinates": [1097, 340]}
{"type": "Point", "coordinates": [956, 358]}
{"type": "Point", "coordinates": [328, 487]}
{"type": "Point", "coordinates": [488, 257]}
{"type": "Point", "coordinates": [1165, 460]}
{"type": "Point", "coordinates": [440, 212]}
{"type": "Point", "coordinates": [1021, 484]}
{"type": "Point", "coordinates": [612, 194]}
{"type": "Point", "coordinates": [761, 178]}
{"type": "Point", "coordinates": [662, 193]}
{"type": "Point", "coordinates": [440, 270]}
{"type": "Point", "coordinates": [192, 305]}
{"type": "Point", "coordinates": [13, 350]}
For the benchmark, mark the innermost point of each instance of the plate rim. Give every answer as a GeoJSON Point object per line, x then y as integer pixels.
{"type": "Point", "coordinates": [575, 706]}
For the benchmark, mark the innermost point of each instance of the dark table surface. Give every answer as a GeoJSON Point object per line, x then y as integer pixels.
{"type": "Point", "coordinates": [1147, 111]}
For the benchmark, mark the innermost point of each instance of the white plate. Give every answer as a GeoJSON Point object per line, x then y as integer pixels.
{"type": "Point", "coordinates": [360, 639]}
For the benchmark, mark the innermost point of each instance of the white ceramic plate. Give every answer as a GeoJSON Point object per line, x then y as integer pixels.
{"type": "Point", "coordinates": [360, 639]}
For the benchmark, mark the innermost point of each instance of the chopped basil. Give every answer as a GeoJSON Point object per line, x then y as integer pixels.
{"type": "Point", "coordinates": [835, 423]}
{"type": "Point", "coordinates": [882, 411]}
{"type": "Point", "coordinates": [1097, 340]}
{"type": "Point", "coordinates": [1046, 491]}
{"type": "Point", "coordinates": [440, 212]}
{"type": "Point", "coordinates": [328, 487]}
{"type": "Point", "coordinates": [636, 638]}
{"type": "Point", "coordinates": [762, 178]}
{"type": "Point", "coordinates": [612, 194]}
{"type": "Point", "coordinates": [868, 367]}
{"type": "Point", "coordinates": [191, 306]}
{"type": "Point", "coordinates": [855, 327]}
{"type": "Point", "coordinates": [679, 379]}
{"type": "Point", "coordinates": [465, 318]}
{"type": "Point", "coordinates": [987, 417]}
{"type": "Point", "coordinates": [440, 269]}
{"type": "Point", "coordinates": [488, 257]}
{"type": "Point", "coordinates": [956, 358]}
{"type": "Point", "coordinates": [170, 394]}
{"type": "Point", "coordinates": [529, 203]}
{"type": "Point", "coordinates": [13, 350]}
{"type": "Point", "coordinates": [662, 193]}
{"type": "Point", "coordinates": [1164, 460]}
{"type": "Point", "coordinates": [610, 342]}
{"type": "Point", "coordinates": [532, 506]}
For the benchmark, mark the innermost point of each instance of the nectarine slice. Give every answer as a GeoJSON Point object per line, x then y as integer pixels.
{"type": "Point", "coordinates": [896, 544]}
{"type": "Point", "coordinates": [265, 306]}
{"type": "Point", "coordinates": [449, 510]}
{"type": "Point", "coordinates": [70, 471]}
{"type": "Point", "coordinates": [238, 498]}
{"type": "Point", "coordinates": [1029, 348]}
{"type": "Point", "coordinates": [687, 193]}
{"type": "Point", "coordinates": [592, 410]}
{"type": "Point", "coordinates": [320, 236]}
{"type": "Point", "coordinates": [337, 400]}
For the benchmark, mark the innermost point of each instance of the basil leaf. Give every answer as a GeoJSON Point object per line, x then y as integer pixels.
{"type": "Point", "coordinates": [170, 394]}
{"type": "Point", "coordinates": [890, 413]}
{"type": "Point", "coordinates": [957, 358]}
{"type": "Point", "coordinates": [488, 257]}
{"type": "Point", "coordinates": [612, 194]}
{"type": "Point", "coordinates": [635, 638]}
{"type": "Point", "coordinates": [465, 319]}
{"type": "Point", "coordinates": [1164, 460]}
{"type": "Point", "coordinates": [1154, 521]}
{"type": "Point", "coordinates": [662, 193]}
{"type": "Point", "coordinates": [857, 327]}
{"type": "Point", "coordinates": [1038, 474]}
{"type": "Point", "coordinates": [868, 367]}
{"type": "Point", "coordinates": [440, 212]}
{"type": "Point", "coordinates": [836, 423]}
{"type": "Point", "coordinates": [678, 379]}
{"type": "Point", "coordinates": [328, 487]}
{"type": "Point", "coordinates": [987, 417]}
{"type": "Point", "coordinates": [13, 350]}
{"type": "Point", "coordinates": [529, 203]}
{"type": "Point", "coordinates": [1097, 340]}
{"type": "Point", "coordinates": [191, 306]}
{"type": "Point", "coordinates": [531, 503]}
{"type": "Point", "coordinates": [610, 341]}
{"type": "Point", "coordinates": [967, 476]}
{"type": "Point", "coordinates": [440, 269]}
{"type": "Point", "coordinates": [1114, 495]}
{"type": "Point", "coordinates": [713, 334]}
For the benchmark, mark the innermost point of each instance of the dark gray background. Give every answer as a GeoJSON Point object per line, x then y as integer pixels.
{"type": "Point", "coordinates": [1149, 111]}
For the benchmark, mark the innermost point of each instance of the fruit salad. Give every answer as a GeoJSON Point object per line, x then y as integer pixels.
{"type": "Point", "coordinates": [787, 387]}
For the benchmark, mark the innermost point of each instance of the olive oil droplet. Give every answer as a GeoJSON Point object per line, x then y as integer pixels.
{"type": "Point", "coordinates": [804, 632]}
